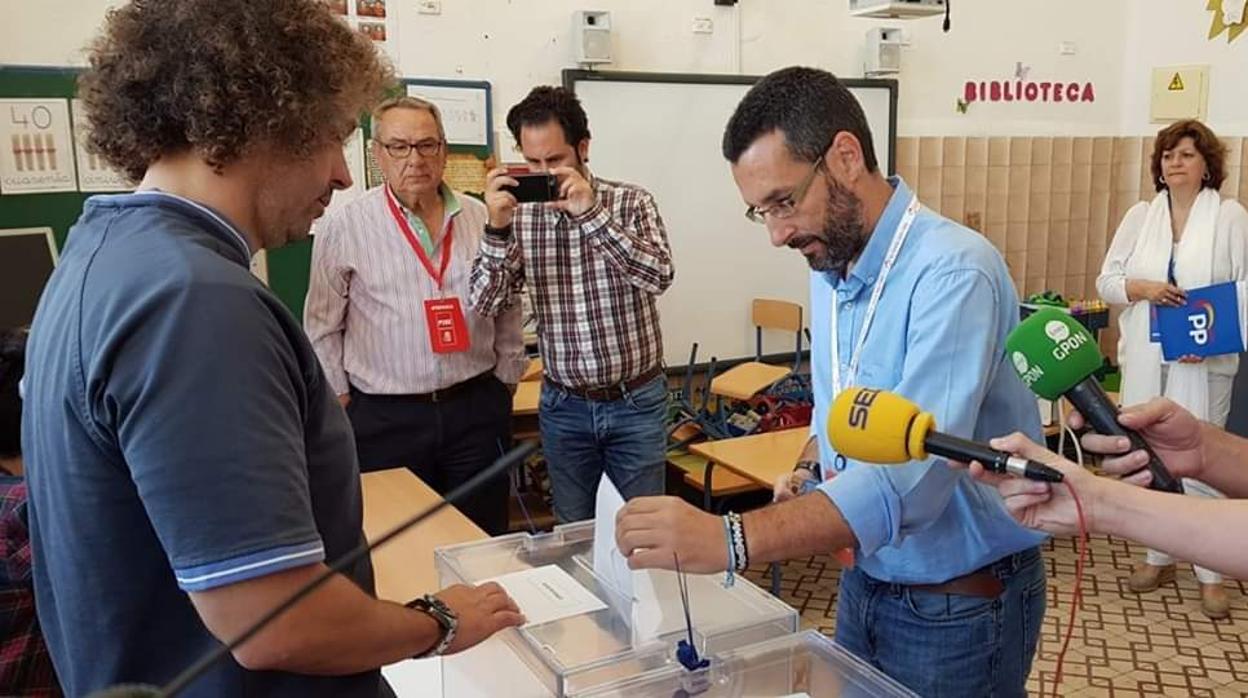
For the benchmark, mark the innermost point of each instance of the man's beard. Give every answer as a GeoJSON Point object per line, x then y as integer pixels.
{"type": "Point", "coordinates": [843, 236]}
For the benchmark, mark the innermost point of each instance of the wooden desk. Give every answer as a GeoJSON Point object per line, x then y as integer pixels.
{"type": "Point", "coordinates": [532, 371]}
{"type": "Point", "coordinates": [524, 407]}
{"type": "Point", "coordinates": [527, 398]}
{"type": "Point", "coordinates": [760, 458]}
{"type": "Point", "coordinates": [404, 567]}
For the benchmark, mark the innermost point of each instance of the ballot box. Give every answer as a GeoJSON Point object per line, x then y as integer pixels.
{"type": "Point", "coordinates": [585, 629]}
{"type": "Point", "coordinates": [805, 665]}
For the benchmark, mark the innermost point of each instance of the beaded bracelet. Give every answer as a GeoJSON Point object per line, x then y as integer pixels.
{"type": "Point", "coordinates": [729, 577]}
{"type": "Point", "coordinates": [740, 549]}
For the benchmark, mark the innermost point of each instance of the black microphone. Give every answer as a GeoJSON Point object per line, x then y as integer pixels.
{"type": "Point", "coordinates": [1056, 357]}
{"type": "Point", "coordinates": [128, 690]}
{"type": "Point", "coordinates": [504, 463]}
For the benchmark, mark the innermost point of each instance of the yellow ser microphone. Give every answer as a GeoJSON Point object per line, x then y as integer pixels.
{"type": "Point", "coordinates": [877, 426]}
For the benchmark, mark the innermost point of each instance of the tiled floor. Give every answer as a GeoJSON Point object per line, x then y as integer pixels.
{"type": "Point", "coordinates": [1125, 644]}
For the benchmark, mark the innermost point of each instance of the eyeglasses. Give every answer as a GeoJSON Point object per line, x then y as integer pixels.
{"type": "Point", "coordinates": [787, 206]}
{"type": "Point", "coordinates": [401, 149]}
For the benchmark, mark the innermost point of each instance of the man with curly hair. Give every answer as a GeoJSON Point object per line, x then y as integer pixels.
{"type": "Point", "coordinates": [189, 464]}
{"type": "Point", "coordinates": [596, 261]}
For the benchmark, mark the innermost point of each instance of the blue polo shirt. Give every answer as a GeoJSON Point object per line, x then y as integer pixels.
{"type": "Point", "coordinates": [938, 339]}
{"type": "Point", "coordinates": [179, 436]}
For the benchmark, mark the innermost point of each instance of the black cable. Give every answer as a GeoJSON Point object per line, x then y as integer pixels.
{"type": "Point", "coordinates": [498, 467]}
{"type": "Point", "coordinates": [947, 15]}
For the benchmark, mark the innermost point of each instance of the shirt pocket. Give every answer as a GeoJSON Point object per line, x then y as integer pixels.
{"type": "Point", "coordinates": [883, 370]}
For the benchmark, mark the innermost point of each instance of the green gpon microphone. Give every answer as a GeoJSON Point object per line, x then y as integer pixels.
{"type": "Point", "coordinates": [1056, 357]}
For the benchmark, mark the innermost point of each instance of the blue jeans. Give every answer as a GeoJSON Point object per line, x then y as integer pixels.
{"type": "Point", "coordinates": [582, 438]}
{"type": "Point", "coordinates": [945, 644]}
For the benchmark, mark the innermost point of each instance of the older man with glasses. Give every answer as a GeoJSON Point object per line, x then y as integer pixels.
{"type": "Point", "coordinates": [426, 381]}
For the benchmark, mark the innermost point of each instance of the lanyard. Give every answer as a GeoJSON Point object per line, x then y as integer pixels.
{"type": "Point", "coordinates": [406, 229]}
{"type": "Point", "coordinates": [899, 238]}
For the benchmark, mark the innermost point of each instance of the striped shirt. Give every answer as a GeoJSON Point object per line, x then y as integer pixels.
{"type": "Point", "coordinates": [594, 280]}
{"type": "Point", "coordinates": [365, 311]}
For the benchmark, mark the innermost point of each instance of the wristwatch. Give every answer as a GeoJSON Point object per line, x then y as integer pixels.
{"type": "Point", "coordinates": [502, 233]}
{"type": "Point", "coordinates": [810, 466]}
{"type": "Point", "coordinates": [447, 620]}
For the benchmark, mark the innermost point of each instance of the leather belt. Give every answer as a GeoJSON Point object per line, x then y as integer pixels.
{"type": "Point", "coordinates": [441, 395]}
{"type": "Point", "coordinates": [981, 583]}
{"type": "Point", "coordinates": [610, 392]}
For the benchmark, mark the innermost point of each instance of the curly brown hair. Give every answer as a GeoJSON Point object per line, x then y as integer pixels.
{"type": "Point", "coordinates": [1207, 144]}
{"type": "Point", "coordinates": [223, 77]}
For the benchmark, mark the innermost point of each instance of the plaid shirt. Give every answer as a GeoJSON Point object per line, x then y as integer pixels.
{"type": "Point", "coordinates": [25, 667]}
{"type": "Point", "coordinates": [594, 279]}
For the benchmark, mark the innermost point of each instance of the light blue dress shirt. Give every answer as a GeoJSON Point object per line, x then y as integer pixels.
{"type": "Point", "coordinates": [938, 339]}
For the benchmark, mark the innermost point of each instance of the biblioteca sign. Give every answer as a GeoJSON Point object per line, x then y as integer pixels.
{"type": "Point", "coordinates": [1027, 91]}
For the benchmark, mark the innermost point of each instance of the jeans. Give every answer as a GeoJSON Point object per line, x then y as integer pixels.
{"type": "Point", "coordinates": [944, 644]}
{"type": "Point", "coordinates": [582, 439]}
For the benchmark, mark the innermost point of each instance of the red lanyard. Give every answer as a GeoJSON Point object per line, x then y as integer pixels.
{"type": "Point", "coordinates": [406, 229]}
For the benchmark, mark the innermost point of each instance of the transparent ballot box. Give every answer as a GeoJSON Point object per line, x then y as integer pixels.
{"type": "Point", "coordinates": [611, 635]}
{"type": "Point", "coordinates": [806, 665]}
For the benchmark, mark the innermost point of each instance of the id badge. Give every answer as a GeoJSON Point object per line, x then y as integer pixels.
{"type": "Point", "coordinates": [448, 331]}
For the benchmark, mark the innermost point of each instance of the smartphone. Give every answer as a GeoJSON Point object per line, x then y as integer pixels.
{"type": "Point", "coordinates": [534, 186]}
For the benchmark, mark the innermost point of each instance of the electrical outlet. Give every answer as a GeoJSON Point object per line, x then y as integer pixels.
{"type": "Point", "coordinates": [1067, 48]}
{"type": "Point", "coordinates": [703, 25]}
{"type": "Point", "coordinates": [429, 7]}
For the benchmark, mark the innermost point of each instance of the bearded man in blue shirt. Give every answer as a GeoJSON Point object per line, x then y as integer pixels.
{"type": "Point", "coordinates": [947, 594]}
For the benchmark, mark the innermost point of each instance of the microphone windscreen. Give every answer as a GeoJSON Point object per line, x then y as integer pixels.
{"type": "Point", "coordinates": [876, 426]}
{"type": "Point", "coordinates": [1052, 352]}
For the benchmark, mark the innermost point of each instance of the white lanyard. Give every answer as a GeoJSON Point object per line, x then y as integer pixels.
{"type": "Point", "coordinates": [899, 238]}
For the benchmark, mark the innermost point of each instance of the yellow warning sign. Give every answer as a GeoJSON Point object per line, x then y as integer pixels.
{"type": "Point", "coordinates": [1176, 83]}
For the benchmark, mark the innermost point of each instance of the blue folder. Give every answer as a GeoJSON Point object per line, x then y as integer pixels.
{"type": "Point", "coordinates": [1208, 325]}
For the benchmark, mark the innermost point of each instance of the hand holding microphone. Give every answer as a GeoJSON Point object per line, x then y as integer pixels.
{"type": "Point", "coordinates": [881, 427]}
{"type": "Point", "coordinates": [1056, 357]}
{"type": "Point", "coordinates": [1172, 432]}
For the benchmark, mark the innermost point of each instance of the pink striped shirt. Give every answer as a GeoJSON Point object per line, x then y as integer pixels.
{"type": "Point", "coordinates": [365, 308]}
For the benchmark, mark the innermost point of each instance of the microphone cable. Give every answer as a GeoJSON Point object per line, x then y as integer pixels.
{"type": "Point", "coordinates": [1076, 595]}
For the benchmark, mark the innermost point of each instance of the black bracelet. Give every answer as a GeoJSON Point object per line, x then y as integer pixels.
{"type": "Point", "coordinates": [502, 233]}
{"type": "Point", "coordinates": [810, 466]}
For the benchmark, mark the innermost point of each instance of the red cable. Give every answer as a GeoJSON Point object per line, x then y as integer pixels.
{"type": "Point", "coordinates": [1076, 597]}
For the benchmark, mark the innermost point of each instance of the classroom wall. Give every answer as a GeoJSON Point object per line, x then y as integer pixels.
{"type": "Point", "coordinates": [1174, 33]}
{"type": "Point", "coordinates": [49, 32]}
{"type": "Point", "coordinates": [1034, 206]}
{"type": "Point", "coordinates": [518, 44]}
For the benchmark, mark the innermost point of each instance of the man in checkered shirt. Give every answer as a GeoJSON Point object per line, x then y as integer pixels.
{"type": "Point", "coordinates": [596, 259]}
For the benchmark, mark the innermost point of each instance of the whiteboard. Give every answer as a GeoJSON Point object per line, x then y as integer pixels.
{"type": "Point", "coordinates": [663, 132]}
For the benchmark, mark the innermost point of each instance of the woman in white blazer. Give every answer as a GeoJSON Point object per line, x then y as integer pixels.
{"type": "Point", "coordinates": [1186, 237]}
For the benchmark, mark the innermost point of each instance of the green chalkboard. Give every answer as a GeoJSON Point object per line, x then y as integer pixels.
{"type": "Point", "coordinates": [288, 274]}
{"type": "Point", "coordinates": [59, 210]}
{"type": "Point", "coordinates": [287, 267]}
